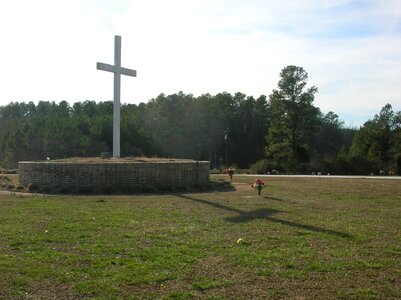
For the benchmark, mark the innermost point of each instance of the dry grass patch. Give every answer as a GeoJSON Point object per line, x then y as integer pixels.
{"type": "Point", "coordinates": [303, 238]}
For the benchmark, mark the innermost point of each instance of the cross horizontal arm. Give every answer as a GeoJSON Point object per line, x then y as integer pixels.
{"type": "Point", "coordinates": [114, 69]}
{"type": "Point", "coordinates": [105, 67]}
{"type": "Point", "coordinates": [127, 72]}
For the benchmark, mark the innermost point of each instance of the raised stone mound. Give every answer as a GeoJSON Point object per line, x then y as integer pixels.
{"type": "Point", "coordinates": [97, 175]}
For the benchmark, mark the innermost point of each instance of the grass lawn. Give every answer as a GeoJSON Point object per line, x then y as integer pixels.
{"type": "Point", "coordinates": [304, 238]}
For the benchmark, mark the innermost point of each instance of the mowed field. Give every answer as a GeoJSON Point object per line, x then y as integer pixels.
{"type": "Point", "coordinates": [304, 238]}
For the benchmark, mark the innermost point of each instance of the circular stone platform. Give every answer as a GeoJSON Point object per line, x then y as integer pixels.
{"type": "Point", "coordinates": [100, 175]}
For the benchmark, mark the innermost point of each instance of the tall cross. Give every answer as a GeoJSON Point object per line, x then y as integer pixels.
{"type": "Point", "coordinates": [118, 71]}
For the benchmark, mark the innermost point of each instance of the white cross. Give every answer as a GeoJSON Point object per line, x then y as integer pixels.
{"type": "Point", "coordinates": [118, 71]}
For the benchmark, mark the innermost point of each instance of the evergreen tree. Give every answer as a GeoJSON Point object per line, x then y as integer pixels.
{"type": "Point", "coordinates": [293, 120]}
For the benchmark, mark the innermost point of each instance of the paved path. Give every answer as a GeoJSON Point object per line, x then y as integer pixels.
{"type": "Point", "coordinates": [20, 194]}
{"type": "Point", "coordinates": [326, 176]}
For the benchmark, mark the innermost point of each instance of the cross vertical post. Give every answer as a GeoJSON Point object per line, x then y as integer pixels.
{"type": "Point", "coordinates": [118, 71]}
{"type": "Point", "coordinates": [116, 102]}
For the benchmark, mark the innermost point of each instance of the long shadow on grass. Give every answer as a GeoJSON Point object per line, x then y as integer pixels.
{"type": "Point", "coordinates": [267, 214]}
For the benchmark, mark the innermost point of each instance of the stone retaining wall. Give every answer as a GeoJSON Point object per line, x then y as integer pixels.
{"type": "Point", "coordinates": [113, 175]}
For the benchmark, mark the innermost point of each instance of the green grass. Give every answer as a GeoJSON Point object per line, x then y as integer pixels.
{"type": "Point", "coordinates": [303, 238]}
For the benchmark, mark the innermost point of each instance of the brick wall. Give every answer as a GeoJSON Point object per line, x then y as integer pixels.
{"type": "Point", "coordinates": [131, 175]}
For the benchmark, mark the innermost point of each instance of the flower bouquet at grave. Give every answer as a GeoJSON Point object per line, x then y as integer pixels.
{"type": "Point", "coordinates": [259, 185]}
{"type": "Point", "coordinates": [230, 171]}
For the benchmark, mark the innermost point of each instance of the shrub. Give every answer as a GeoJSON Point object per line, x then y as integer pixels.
{"type": "Point", "coordinates": [360, 165]}
{"type": "Point", "coordinates": [302, 168]}
{"type": "Point", "coordinates": [262, 167]}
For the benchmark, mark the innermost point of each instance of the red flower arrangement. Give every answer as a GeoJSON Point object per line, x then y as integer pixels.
{"type": "Point", "coordinates": [230, 171]}
{"type": "Point", "coordinates": [259, 185]}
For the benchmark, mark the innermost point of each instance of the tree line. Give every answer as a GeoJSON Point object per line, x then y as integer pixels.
{"type": "Point", "coordinates": [284, 131]}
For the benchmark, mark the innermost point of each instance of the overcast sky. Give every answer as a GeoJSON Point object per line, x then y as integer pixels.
{"type": "Point", "coordinates": [350, 49]}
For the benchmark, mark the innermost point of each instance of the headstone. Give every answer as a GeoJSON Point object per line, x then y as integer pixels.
{"type": "Point", "coordinates": [105, 155]}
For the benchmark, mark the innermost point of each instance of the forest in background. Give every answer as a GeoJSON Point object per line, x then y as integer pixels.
{"type": "Point", "coordinates": [283, 131]}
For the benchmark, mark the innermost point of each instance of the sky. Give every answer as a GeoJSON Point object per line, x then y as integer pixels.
{"type": "Point", "coordinates": [350, 49]}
